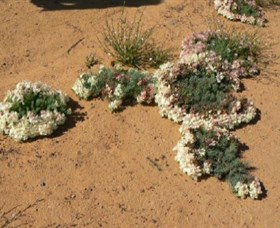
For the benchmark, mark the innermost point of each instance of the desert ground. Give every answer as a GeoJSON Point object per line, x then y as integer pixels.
{"type": "Point", "coordinates": [118, 170]}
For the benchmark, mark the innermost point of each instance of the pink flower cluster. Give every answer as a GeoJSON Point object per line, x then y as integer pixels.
{"type": "Point", "coordinates": [197, 46]}
{"type": "Point", "coordinates": [230, 9]}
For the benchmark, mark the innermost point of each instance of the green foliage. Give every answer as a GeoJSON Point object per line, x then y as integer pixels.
{"type": "Point", "coordinates": [223, 155]}
{"type": "Point", "coordinates": [132, 45]}
{"type": "Point", "coordinates": [199, 91]}
{"type": "Point", "coordinates": [36, 102]}
{"type": "Point", "coordinates": [235, 46]}
{"type": "Point", "coordinates": [245, 9]}
{"type": "Point", "coordinates": [90, 61]}
{"type": "Point", "coordinates": [131, 82]}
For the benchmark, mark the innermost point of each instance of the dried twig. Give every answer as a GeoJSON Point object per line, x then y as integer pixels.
{"type": "Point", "coordinates": [9, 219]}
{"type": "Point", "coordinates": [154, 163]}
{"type": "Point", "coordinates": [74, 45]}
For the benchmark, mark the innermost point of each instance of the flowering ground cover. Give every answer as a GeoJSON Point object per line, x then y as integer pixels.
{"type": "Point", "coordinates": [32, 109]}
{"type": "Point", "coordinates": [121, 87]}
{"type": "Point", "coordinates": [204, 150]}
{"type": "Point", "coordinates": [196, 92]}
{"type": "Point", "coordinates": [118, 169]}
{"type": "Point", "coordinates": [247, 11]}
{"type": "Point", "coordinates": [231, 56]}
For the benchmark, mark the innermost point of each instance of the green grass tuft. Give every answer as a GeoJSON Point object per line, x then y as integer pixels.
{"type": "Point", "coordinates": [132, 45]}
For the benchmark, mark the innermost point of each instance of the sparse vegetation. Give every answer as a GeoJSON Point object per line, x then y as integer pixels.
{"type": "Point", "coordinates": [91, 60]}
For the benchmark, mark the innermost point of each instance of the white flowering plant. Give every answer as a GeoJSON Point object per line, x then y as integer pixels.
{"type": "Point", "coordinates": [121, 87]}
{"type": "Point", "coordinates": [191, 95]}
{"type": "Point", "coordinates": [185, 89]}
{"type": "Point", "coordinates": [197, 92]}
{"type": "Point", "coordinates": [213, 151]}
{"type": "Point", "coordinates": [32, 109]}
{"type": "Point", "coordinates": [247, 11]}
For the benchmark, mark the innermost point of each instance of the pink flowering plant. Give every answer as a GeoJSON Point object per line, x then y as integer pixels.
{"type": "Point", "coordinates": [231, 56]}
{"type": "Point", "coordinates": [197, 92]}
{"type": "Point", "coordinates": [190, 89]}
{"type": "Point", "coordinates": [247, 11]}
{"type": "Point", "coordinates": [121, 87]}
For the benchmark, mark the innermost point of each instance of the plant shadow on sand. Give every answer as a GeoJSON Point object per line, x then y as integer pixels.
{"type": "Point", "coordinates": [90, 4]}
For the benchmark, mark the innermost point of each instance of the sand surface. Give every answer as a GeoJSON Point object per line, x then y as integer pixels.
{"type": "Point", "coordinates": [118, 170]}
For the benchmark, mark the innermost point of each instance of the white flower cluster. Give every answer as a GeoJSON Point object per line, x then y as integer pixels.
{"type": "Point", "coordinates": [231, 9]}
{"type": "Point", "coordinates": [83, 86]}
{"type": "Point", "coordinates": [30, 125]}
{"type": "Point", "coordinates": [188, 157]}
{"type": "Point", "coordinates": [241, 112]}
{"type": "Point", "coordinates": [252, 189]}
{"type": "Point", "coordinates": [239, 115]}
{"type": "Point", "coordinates": [164, 98]}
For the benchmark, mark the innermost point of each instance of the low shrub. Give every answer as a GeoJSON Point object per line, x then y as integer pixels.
{"type": "Point", "coordinates": [32, 109]}
{"type": "Point", "coordinates": [204, 151]}
{"type": "Point", "coordinates": [231, 56]}
{"type": "Point", "coordinates": [189, 88]}
{"type": "Point", "coordinates": [119, 86]}
{"type": "Point", "coordinates": [234, 47]}
{"type": "Point", "coordinates": [247, 11]}
{"type": "Point", "coordinates": [197, 92]}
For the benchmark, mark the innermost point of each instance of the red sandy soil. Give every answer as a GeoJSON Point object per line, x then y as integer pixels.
{"type": "Point", "coordinates": [118, 170]}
